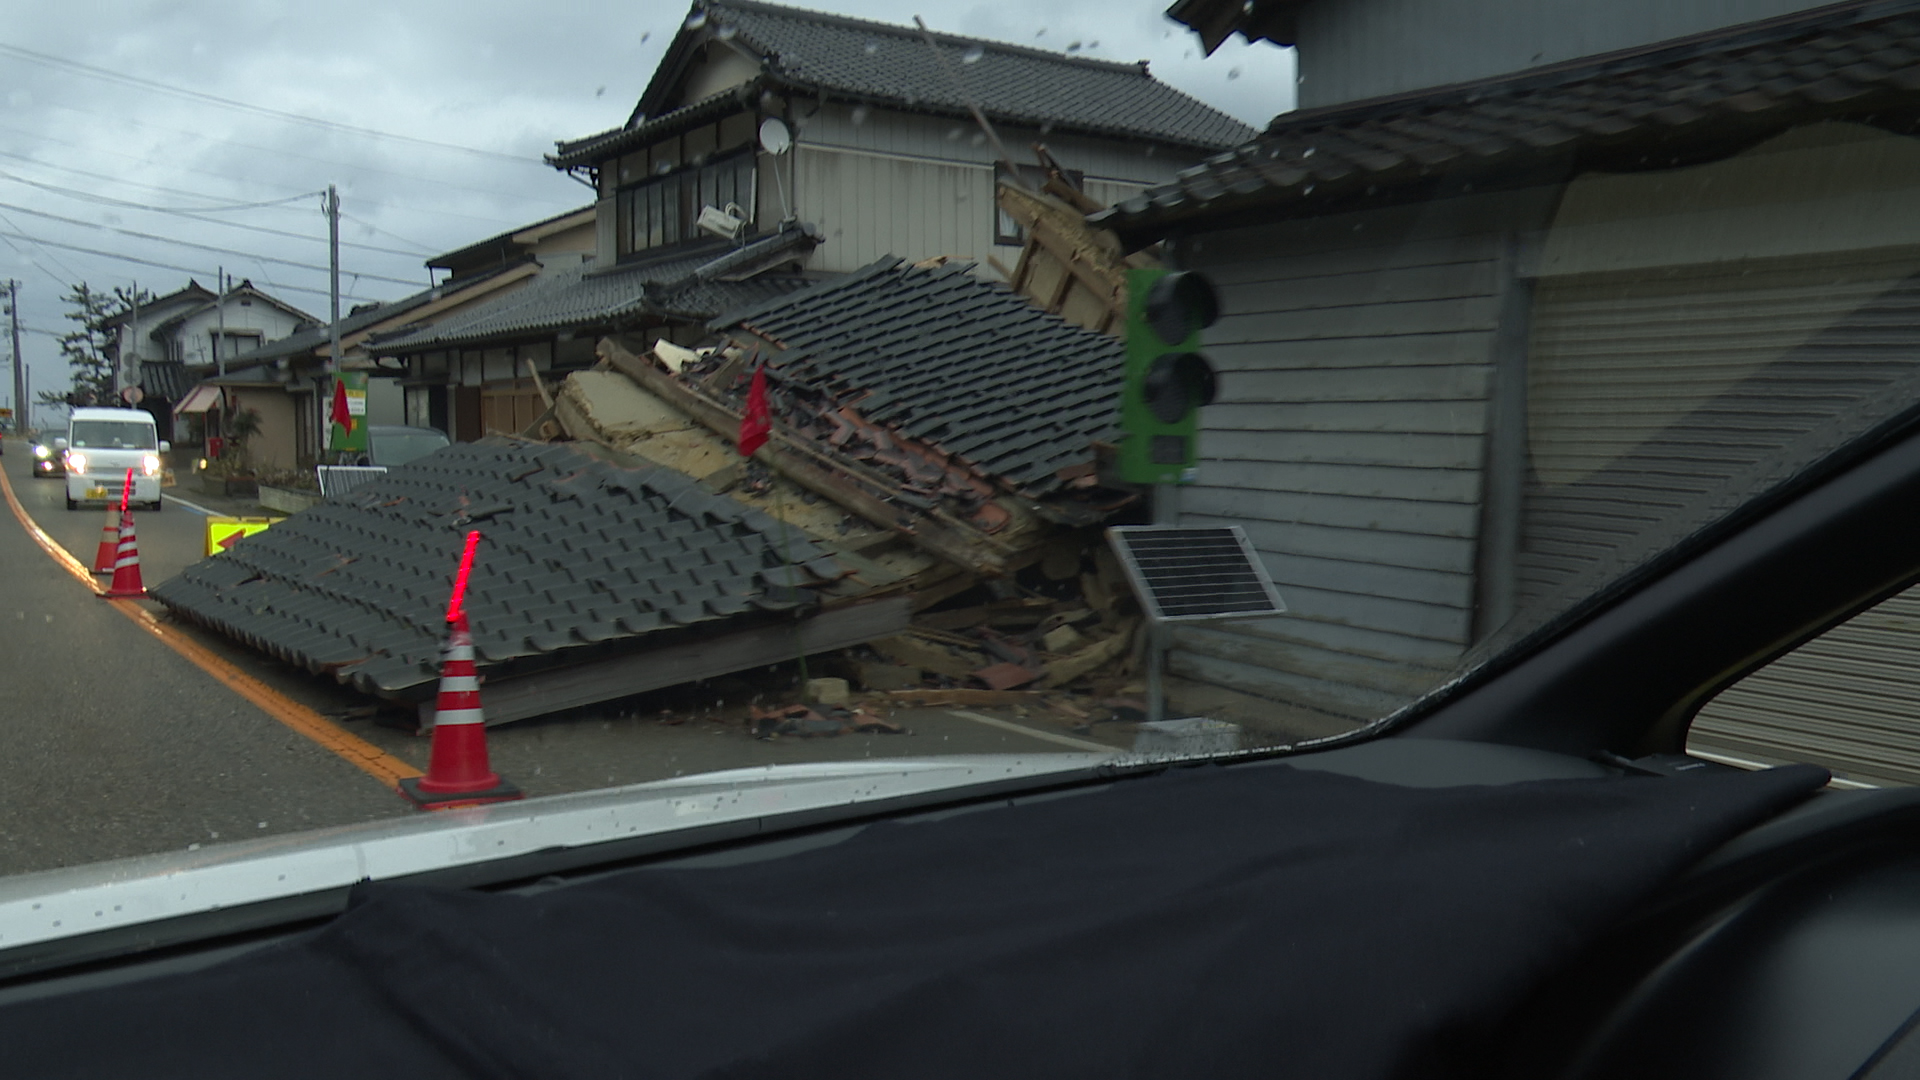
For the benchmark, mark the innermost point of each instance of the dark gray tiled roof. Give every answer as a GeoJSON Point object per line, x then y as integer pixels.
{"type": "Point", "coordinates": [946, 358]}
{"type": "Point", "coordinates": [166, 380]}
{"type": "Point", "coordinates": [890, 64]}
{"type": "Point", "coordinates": [576, 552]}
{"type": "Point", "coordinates": [578, 296]}
{"type": "Point", "coordinates": [1215, 21]}
{"type": "Point", "coordinates": [1653, 107]}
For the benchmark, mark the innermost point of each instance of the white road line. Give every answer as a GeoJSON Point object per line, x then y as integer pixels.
{"type": "Point", "coordinates": [178, 501]}
{"type": "Point", "coordinates": [1044, 736]}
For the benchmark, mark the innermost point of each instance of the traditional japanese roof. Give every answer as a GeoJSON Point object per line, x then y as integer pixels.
{"type": "Point", "coordinates": [691, 284]}
{"type": "Point", "coordinates": [580, 555]}
{"type": "Point", "coordinates": [1675, 103]}
{"type": "Point", "coordinates": [164, 380]}
{"type": "Point", "coordinates": [811, 52]}
{"type": "Point", "coordinates": [942, 357]}
{"type": "Point", "coordinates": [247, 290]}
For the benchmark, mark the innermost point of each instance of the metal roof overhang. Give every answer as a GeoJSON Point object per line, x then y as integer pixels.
{"type": "Point", "coordinates": [198, 400]}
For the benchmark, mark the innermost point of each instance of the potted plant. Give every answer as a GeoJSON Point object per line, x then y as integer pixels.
{"type": "Point", "coordinates": [288, 490]}
{"type": "Point", "coordinates": [232, 473]}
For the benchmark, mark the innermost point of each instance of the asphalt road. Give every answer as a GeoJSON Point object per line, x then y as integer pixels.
{"type": "Point", "coordinates": [113, 744]}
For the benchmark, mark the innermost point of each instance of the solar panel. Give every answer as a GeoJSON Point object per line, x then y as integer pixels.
{"type": "Point", "coordinates": [338, 479]}
{"type": "Point", "coordinates": [1190, 573]}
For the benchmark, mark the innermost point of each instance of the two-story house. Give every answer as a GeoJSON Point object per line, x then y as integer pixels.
{"type": "Point", "coordinates": [166, 344]}
{"type": "Point", "coordinates": [288, 381]}
{"type": "Point", "coordinates": [811, 144]}
{"type": "Point", "coordinates": [1526, 294]}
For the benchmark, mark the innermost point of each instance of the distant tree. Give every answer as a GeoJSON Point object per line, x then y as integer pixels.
{"type": "Point", "coordinates": [93, 348]}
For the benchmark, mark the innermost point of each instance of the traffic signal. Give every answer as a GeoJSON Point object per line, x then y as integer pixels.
{"type": "Point", "coordinates": [1167, 378]}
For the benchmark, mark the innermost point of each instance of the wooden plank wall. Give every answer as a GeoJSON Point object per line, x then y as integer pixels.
{"type": "Point", "coordinates": [1355, 355]}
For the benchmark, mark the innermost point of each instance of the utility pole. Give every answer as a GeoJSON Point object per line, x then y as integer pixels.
{"type": "Point", "coordinates": [220, 337]}
{"type": "Point", "coordinates": [333, 262]}
{"type": "Point", "coordinates": [19, 362]}
{"type": "Point", "coordinates": [130, 358]}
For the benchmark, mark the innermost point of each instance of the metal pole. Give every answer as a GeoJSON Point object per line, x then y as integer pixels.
{"type": "Point", "coordinates": [19, 362]}
{"type": "Point", "coordinates": [130, 358]}
{"type": "Point", "coordinates": [220, 302]}
{"type": "Point", "coordinates": [333, 326]}
{"type": "Point", "coordinates": [1166, 511]}
{"type": "Point", "coordinates": [333, 262]}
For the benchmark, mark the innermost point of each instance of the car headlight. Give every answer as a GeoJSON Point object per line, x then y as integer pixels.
{"type": "Point", "coordinates": [41, 452]}
{"type": "Point", "coordinates": [149, 464]}
{"type": "Point", "coordinates": [76, 462]}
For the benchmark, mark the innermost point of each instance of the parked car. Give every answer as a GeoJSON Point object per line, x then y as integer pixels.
{"type": "Point", "coordinates": [397, 444]}
{"type": "Point", "coordinates": [47, 461]}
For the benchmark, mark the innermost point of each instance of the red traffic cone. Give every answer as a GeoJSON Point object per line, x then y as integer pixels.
{"type": "Point", "coordinates": [109, 550]}
{"type": "Point", "coordinates": [126, 563]}
{"type": "Point", "coordinates": [457, 769]}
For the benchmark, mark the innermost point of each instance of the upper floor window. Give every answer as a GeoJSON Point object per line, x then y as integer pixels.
{"type": "Point", "coordinates": [661, 210]}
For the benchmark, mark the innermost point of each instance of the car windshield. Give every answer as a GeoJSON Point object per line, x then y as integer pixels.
{"type": "Point", "coordinates": [113, 435]}
{"type": "Point", "coordinates": [397, 447]}
{"type": "Point", "coordinates": [781, 388]}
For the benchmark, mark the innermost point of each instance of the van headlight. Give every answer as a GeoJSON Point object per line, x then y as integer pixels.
{"type": "Point", "coordinates": [41, 452]}
{"type": "Point", "coordinates": [150, 464]}
{"type": "Point", "coordinates": [76, 461]}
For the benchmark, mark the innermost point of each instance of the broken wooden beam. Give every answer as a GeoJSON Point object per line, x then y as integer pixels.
{"type": "Point", "coordinates": [507, 700]}
{"type": "Point", "coordinates": [820, 474]}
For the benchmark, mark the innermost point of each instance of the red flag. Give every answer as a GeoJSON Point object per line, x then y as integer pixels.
{"type": "Point", "coordinates": [755, 423]}
{"type": "Point", "coordinates": [340, 414]}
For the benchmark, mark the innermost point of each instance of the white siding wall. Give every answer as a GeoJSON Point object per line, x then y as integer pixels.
{"type": "Point", "coordinates": [881, 182]}
{"type": "Point", "coordinates": [195, 335]}
{"type": "Point", "coordinates": [1366, 48]}
{"type": "Point", "coordinates": [1356, 361]}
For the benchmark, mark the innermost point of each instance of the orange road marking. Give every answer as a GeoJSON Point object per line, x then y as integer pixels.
{"type": "Point", "coordinates": [357, 751]}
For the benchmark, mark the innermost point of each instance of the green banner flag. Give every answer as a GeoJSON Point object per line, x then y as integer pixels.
{"type": "Point", "coordinates": [349, 413]}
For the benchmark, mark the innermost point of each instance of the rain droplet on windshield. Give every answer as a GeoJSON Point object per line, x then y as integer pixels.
{"type": "Point", "coordinates": [696, 20]}
{"type": "Point", "coordinates": [645, 36]}
{"type": "Point", "coordinates": [1073, 46]}
{"type": "Point", "coordinates": [1233, 73]}
{"type": "Point", "coordinates": [1040, 32]}
{"type": "Point", "coordinates": [871, 47]}
{"type": "Point", "coordinates": [859, 115]}
{"type": "Point", "coordinates": [978, 139]}
{"type": "Point", "coordinates": [725, 33]}
{"type": "Point", "coordinates": [972, 55]}
{"type": "Point", "coordinates": [953, 134]}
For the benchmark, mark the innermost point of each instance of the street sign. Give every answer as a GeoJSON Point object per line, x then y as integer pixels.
{"type": "Point", "coordinates": [132, 395]}
{"type": "Point", "coordinates": [224, 532]}
{"type": "Point", "coordinates": [6, 414]}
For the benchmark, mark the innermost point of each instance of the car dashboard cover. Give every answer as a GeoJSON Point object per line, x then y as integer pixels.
{"type": "Point", "coordinates": [1209, 921]}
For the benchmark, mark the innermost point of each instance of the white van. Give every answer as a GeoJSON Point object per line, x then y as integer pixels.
{"type": "Point", "coordinates": [101, 445]}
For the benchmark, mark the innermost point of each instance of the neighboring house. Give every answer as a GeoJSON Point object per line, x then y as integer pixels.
{"type": "Point", "coordinates": [1489, 344]}
{"type": "Point", "coordinates": [881, 158]}
{"type": "Point", "coordinates": [166, 344]}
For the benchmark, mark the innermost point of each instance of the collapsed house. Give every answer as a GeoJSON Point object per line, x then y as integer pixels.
{"type": "Point", "coordinates": [931, 490]}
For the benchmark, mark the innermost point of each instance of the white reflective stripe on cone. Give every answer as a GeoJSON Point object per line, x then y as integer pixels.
{"type": "Point", "coordinates": [459, 716]}
{"type": "Point", "coordinates": [458, 683]}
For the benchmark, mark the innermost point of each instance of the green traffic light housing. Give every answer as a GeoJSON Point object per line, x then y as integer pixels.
{"type": "Point", "coordinates": [1167, 379]}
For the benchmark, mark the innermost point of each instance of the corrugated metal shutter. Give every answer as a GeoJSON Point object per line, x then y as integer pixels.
{"type": "Point", "coordinates": [1849, 700]}
{"type": "Point", "coordinates": [1658, 402]}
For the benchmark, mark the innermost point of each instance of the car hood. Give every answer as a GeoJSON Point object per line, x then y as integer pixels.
{"type": "Point", "coordinates": [39, 911]}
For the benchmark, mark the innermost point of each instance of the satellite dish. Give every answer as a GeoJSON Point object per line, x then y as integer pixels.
{"type": "Point", "coordinates": [774, 137]}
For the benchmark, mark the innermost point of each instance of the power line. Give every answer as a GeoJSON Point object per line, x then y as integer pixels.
{"type": "Point", "coordinates": [106, 200]}
{"type": "Point", "coordinates": [224, 177]}
{"type": "Point", "coordinates": [425, 249]}
{"type": "Point", "coordinates": [117, 256]}
{"type": "Point", "coordinates": [257, 110]}
{"type": "Point", "coordinates": [330, 163]}
{"type": "Point", "coordinates": [136, 234]}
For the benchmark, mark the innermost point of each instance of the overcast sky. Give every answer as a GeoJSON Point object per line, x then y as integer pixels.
{"type": "Point", "coordinates": [110, 107]}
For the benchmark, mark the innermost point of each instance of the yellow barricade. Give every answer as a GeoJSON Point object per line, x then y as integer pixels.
{"type": "Point", "coordinates": [222, 532]}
